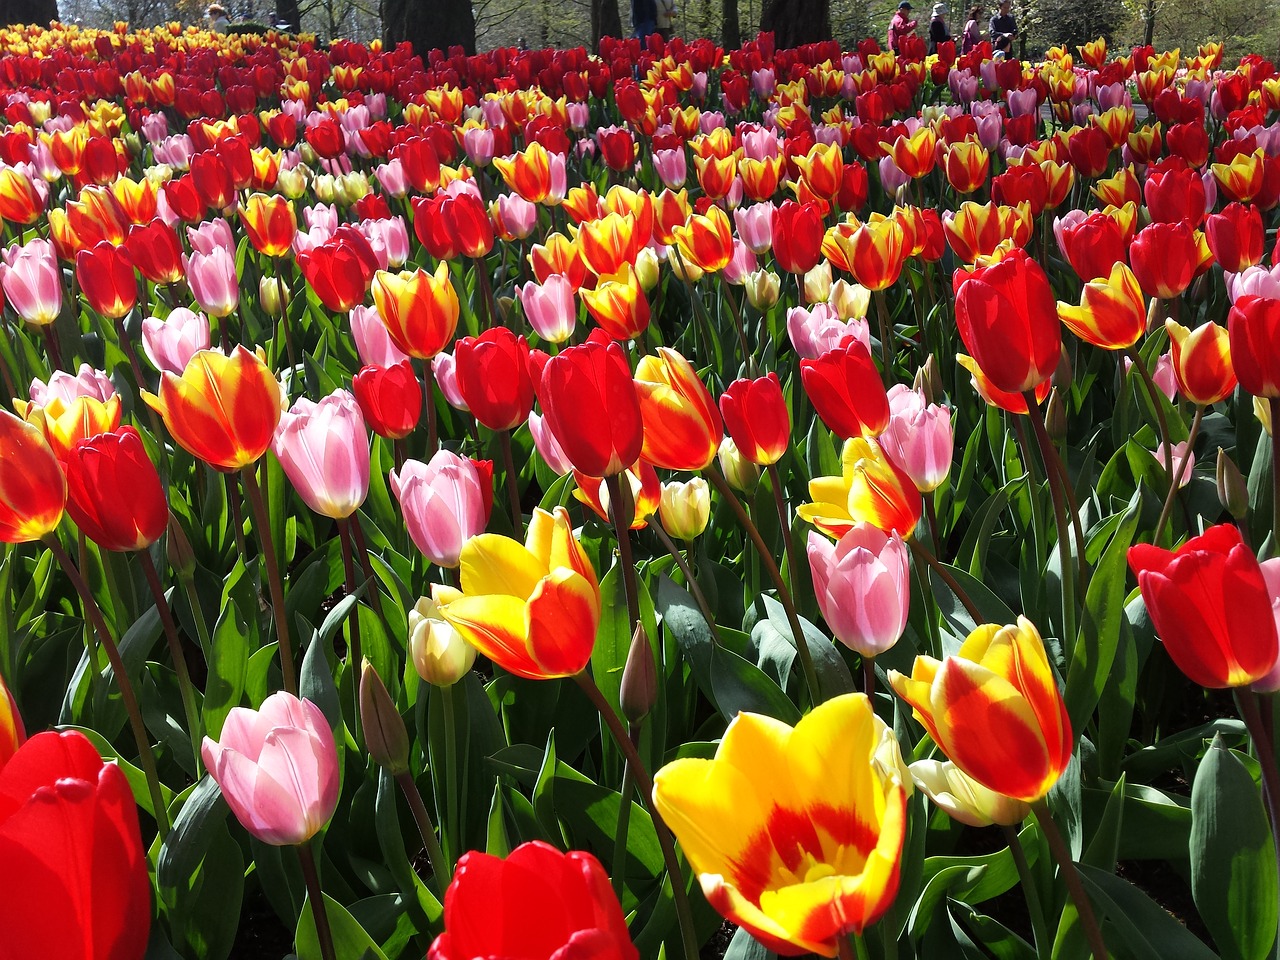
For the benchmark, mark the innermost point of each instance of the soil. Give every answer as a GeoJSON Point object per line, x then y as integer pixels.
{"type": "Point", "coordinates": [261, 935]}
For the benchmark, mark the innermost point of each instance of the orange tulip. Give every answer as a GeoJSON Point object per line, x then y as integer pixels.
{"type": "Point", "coordinates": [1112, 312]}
{"type": "Point", "coordinates": [582, 203]}
{"type": "Point", "coordinates": [33, 491]}
{"type": "Point", "coordinates": [638, 203]}
{"type": "Point", "coordinates": [682, 426]}
{"type": "Point", "coordinates": [419, 309]}
{"type": "Point", "coordinates": [1201, 362]}
{"type": "Point", "coordinates": [873, 251]}
{"type": "Point", "coordinates": [706, 240]}
{"type": "Point", "coordinates": [270, 223]}
{"type": "Point", "coordinates": [222, 409]}
{"type": "Point", "coordinates": [136, 198]}
{"type": "Point", "coordinates": [528, 173]}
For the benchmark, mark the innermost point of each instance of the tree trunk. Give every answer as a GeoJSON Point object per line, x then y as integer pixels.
{"type": "Point", "coordinates": [287, 12]}
{"type": "Point", "coordinates": [605, 21]}
{"type": "Point", "coordinates": [1149, 15]}
{"type": "Point", "coordinates": [731, 30]}
{"type": "Point", "coordinates": [28, 11]}
{"type": "Point", "coordinates": [796, 22]}
{"type": "Point", "coordinates": [429, 24]}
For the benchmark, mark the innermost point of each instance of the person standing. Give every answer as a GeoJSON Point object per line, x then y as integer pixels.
{"type": "Point", "coordinates": [216, 16]}
{"type": "Point", "coordinates": [939, 32]}
{"type": "Point", "coordinates": [644, 17]}
{"type": "Point", "coordinates": [1003, 29]}
{"type": "Point", "coordinates": [666, 18]}
{"type": "Point", "coordinates": [901, 25]}
{"type": "Point", "coordinates": [973, 34]}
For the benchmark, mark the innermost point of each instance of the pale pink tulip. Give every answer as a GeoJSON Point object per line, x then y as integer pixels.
{"type": "Point", "coordinates": [324, 450]}
{"type": "Point", "coordinates": [393, 178]}
{"type": "Point", "coordinates": [213, 282]}
{"type": "Point", "coordinates": [863, 586]}
{"type": "Point", "coordinates": [321, 215]}
{"type": "Point", "coordinates": [211, 235]}
{"type": "Point", "coordinates": [550, 308]}
{"type": "Point", "coordinates": [278, 768]}
{"type": "Point", "coordinates": [1271, 574]}
{"type": "Point", "coordinates": [87, 382]}
{"type": "Point", "coordinates": [671, 166]}
{"type": "Point", "coordinates": [919, 437]}
{"type": "Point", "coordinates": [815, 330]}
{"type": "Point", "coordinates": [517, 214]}
{"type": "Point", "coordinates": [373, 343]}
{"type": "Point", "coordinates": [32, 281]}
{"type": "Point", "coordinates": [1183, 460]}
{"type": "Point", "coordinates": [478, 142]}
{"type": "Point", "coordinates": [548, 446]}
{"type": "Point", "coordinates": [444, 503]}
{"type": "Point", "coordinates": [740, 264]}
{"type": "Point", "coordinates": [755, 226]}
{"type": "Point", "coordinates": [171, 342]}
{"type": "Point", "coordinates": [447, 380]}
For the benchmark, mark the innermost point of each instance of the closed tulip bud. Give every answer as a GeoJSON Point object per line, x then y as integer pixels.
{"type": "Point", "coordinates": [1055, 417]}
{"type": "Point", "coordinates": [591, 407]}
{"type": "Point", "coordinates": [962, 798]}
{"type": "Point", "coordinates": [114, 493]}
{"type": "Point", "coordinates": [324, 185]}
{"type": "Point", "coordinates": [639, 690]}
{"type": "Point", "coordinates": [440, 654]}
{"type": "Point", "coordinates": [928, 381]}
{"type": "Point", "coordinates": [324, 451]}
{"type": "Point", "coordinates": [273, 296]}
{"type": "Point", "coordinates": [648, 269]}
{"type": "Point", "coordinates": [685, 508]}
{"type": "Point", "coordinates": [385, 736]}
{"type": "Point", "coordinates": [849, 300]}
{"type": "Point", "coordinates": [742, 474]}
{"type": "Point", "coordinates": [817, 283]}
{"type": "Point", "coordinates": [763, 288]}
{"type": "Point", "coordinates": [1233, 489]}
{"type": "Point", "coordinates": [178, 550]}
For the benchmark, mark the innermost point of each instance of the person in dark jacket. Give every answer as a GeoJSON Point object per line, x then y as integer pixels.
{"type": "Point", "coordinates": [1003, 29]}
{"type": "Point", "coordinates": [644, 17]}
{"type": "Point", "coordinates": [939, 32]}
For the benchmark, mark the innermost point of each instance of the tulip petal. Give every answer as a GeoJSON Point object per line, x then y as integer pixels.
{"type": "Point", "coordinates": [497, 565]}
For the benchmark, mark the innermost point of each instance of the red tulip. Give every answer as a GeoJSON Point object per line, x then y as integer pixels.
{"type": "Point", "coordinates": [617, 148]}
{"type": "Point", "coordinates": [1236, 236]}
{"type": "Point", "coordinates": [797, 236]}
{"type": "Point", "coordinates": [1254, 328]}
{"type": "Point", "coordinates": [74, 884]}
{"type": "Point", "coordinates": [156, 251]}
{"type": "Point", "coordinates": [106, 279]}
{"type": "Point", "coordinates": [589, 402]}
{"type": "Point", "coordinates": [1094, 246]}
{"type": "Point", "coordinates": [755, 415]}
{"type": "Point", "coordinates": [1211, 607]}
{"type": "Point", "coordinates": [337, 273]}
{"type": "Point", "coordinates": [846, 391]}
{"type": "Point", "coordinates": [1165, 258]}
{"type": "Point", "coordinates": [114, 493]}
{"type": "Point", "coordinates": [1175, 196]}
{"type": "Point", "coordinates": [1090, 151]}
{"type": "Point", "coordinates": [449, 225]}
{"type": "Point", "coordinates": [1008, 320]}
{"type": "Point", "coordinates": [493, 377]}
{"type": "Point", "coordinates": [390, 398]}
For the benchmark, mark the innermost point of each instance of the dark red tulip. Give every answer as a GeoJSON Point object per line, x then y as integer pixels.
{"type": "Point", "coordinates": [493, 377]}
{"type": "Point", "coordinates": [390, 398]}
{"type": "Point", "coordinates": [106, 279]}
{"type": "Point", "coordinates": [797, 236]}
{"type": "Point", "coordinates": [846, 390]}
{"type": "Point", "coordinates": [755, 415]}
{"type": "Point", "coordinates": [114, 493]}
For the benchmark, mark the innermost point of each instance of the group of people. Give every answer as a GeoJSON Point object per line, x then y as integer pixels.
{"type": "Point", "coordinates": [653, 16]}
{"type": "Point", "coordinates": [1002, 28]}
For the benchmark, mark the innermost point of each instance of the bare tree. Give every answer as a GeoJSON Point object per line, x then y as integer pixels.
{"type": "Point", "coordinates": [796, 22]}
{"type": "Point", "coordinates": [439, 24]}
{"type": "Point", "coordinates": [731, 29]}
{"type": "Point", "coordinates": [605, 21]}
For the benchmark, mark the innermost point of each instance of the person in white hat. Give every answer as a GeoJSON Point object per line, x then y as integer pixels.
{"type": "Point", "coordinates": [939, 32]}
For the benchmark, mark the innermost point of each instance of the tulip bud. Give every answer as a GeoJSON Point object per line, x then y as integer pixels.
{"type": "Point", "coordinates": [1055, 419]}
{"type": "Point", "coordinates": [741, 473]}
{"type": "Point", "coordinates": [133, 143]}
{"type": "Point", "coordinates": [181, 557]}
{"type": "Point", "coordinates": [385, 735]}
{"type": "Point", "coordinates": [1233, 491]}
{"type": "Point", "coordinates": [817, 283]}
{"type": "Point", "coordinates": [353, 186]}
{"type": "Point", "coordinates": [928, 381]}
{"type": "Point", "coordinates": [440, 654]}
{"type": "Point", "coordinates": [639, 690]}
{"type": "Point", "coordinates": [273, 296]}
{"type": "Point", "coordinates": [325, 188]}
{"type": "Point", "coordinates": [292, 183]}
{"type": "Point", "coordinates": [1063, 375]}
{"type": "Point", "coordinates": [763, 289]}
{"type": "Point", "coordinates": [1262, 410]}
{"type": "Point", "coordinates": [849, 300]}
{"type": "Point", "coordinates": [308, 153]}
{"type": "Point", "coordinates": [506, 310]}
{"type": "Point", "coordinates": [685, 508]}
{"type": "Point", "coordinates": [647, 269]}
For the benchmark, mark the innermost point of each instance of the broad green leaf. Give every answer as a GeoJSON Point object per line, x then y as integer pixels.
{"type": "Point", "coordinates": [1146, 929]}
{"type": "Point", "coordinates": [350, 942]}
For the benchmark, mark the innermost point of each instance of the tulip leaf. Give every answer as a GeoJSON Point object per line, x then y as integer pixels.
{"type": "Point", "coordinates": [228, 660]}
{"type": "Point", "coordinates": [1233, 865]}
{"type": "Point", "coordinates": [192, 832]}
{"type": "Point", "coordinates": [315, 682]}
{"type": "Point", "coordinates": [739, 685]}
{"type": "Point", "coordinates": [833, 673]}
{"type": "Point", "coordinates": [991, 607]}
{"type": "Point", "coordinates": [744, 946]}
{"type": "Point", "coordinates": [350, 941]}
{"type": "Point", "coordinates": [1147, 930]}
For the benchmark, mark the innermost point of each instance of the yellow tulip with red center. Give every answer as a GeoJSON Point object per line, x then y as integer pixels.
{"type": "Point", "coordinates": [527, 173]}
{"type": "Point", "coordinates": [871, 488]}
{"type": "Point", "coordinates": [611, 241]}
{"type": "Point", "coordinates": [531, 608]}
{"type": "Point", "coordinates": [796, 833]}
{"type": "Point", "coordinates": [994, 709]}
{"type": "Point", "coordinates": [1112, 313]}
{"type": "Point", "coordinates": [706, 240]}
{"type": "Point", "coordinates": [66, 423]}
{"type": "Point", "coordinates": [873, 251]}
{"type": "Point", "coordinates": [976, 230]}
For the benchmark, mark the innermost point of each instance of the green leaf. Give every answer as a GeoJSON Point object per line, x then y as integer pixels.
{"type": "Point", "coordinates": [193, 829]}
{"type": "Point", "coordinates": [315, 683]}
{"type": "Point", "coordinates": [228, 668]}
{"type": "Point", "coordinates": [350, 942]}
{"type": "Point", "coordinates": [1146, 928]}
{"type": "Point", "coordinates": [743, 946]}
{"type": "Point", "coordinates": [739, 685]}
{"type": "Point", "coordinates": [1233, 864]}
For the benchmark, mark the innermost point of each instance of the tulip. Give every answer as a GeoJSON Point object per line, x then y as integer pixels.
{"type": "Point", "coordinates": [538, 903]}
{"type": "Point", "coordinates": [993, 395]}
{"type": "Point", "coordinates": [32, 282]}
{"type": "Point", "coordinates": [220, 409]}
{"type": "Point", "coordinates": [532, 609]}
{"type": "Point", "coordinates": [870, 488]}
{"type": "Point", "coordinates": [445, 502]}
{"type": "Point", "coordinates": [645, 490]}
{"type": "Point", "coordinates": [114, 493]}
{"type": "Point", "coordinates": [439, 653]}
{"type": "Point", "coordinates": [797, 236]}
{"type": "Point", "coordinates": [796, 833]}
{"type": "Point", "coordinates": [1254, 328]}
{"type": "Point", "coordinates": [1211, 607]}
{"type": "Point", "coordinates": [33, 491]}
{"type": "Point", "coordinates": [324, 451]}
{"type": "Point", "coordinates": [1235, 236]}
{"type": "Point", "coordinates": [976, 231]}
{"type": "Point", "coordinates": [1201, 362]}
{"type": "Point", "coordinates": [75, 883]}
{"type": "Point", "coordinates": [339, 274]}
{"type": "Point", "coordinates": [87, 382]}
{"type": "Point", "coordinates": [592, 408]}
{"type": "Point", "coordinates": [373, 342]}
{"type": "Point", "coordinates": [420, 310]}
{"type": "Point", "coordinates": [685, 508]}
{"type": "Point", "coordinates": [967, 165]}
{"type": "Point", "coordinates": [755, 226]}
{"type": "Point", "coordinates": [608, 243]}
{"type": "Point", "coordinates": [1112, 312]}
{"type": "Point", "coordinates": [1093, 245]}
{"type": "Point", "coordinates": [67, 423]}
{"type": "Point", "coordinates": [816, 331]}
{"type": "Point", "coordinates": [874, 252]}
{"type": "Point", "coordinates": [1008, 319]}
{"type": "Point", "coordinates": [1256, 281]}
{"type": "Point", "coordinates": [1180, 459]}
{"type": "Point", "coordinates": [213, 282]}
{"type": "Point", "coordinates": [270, 223]}
{"type": "Point", "coordinates": [706, 241]}
{"type": "Point", "coordinates": [550, 308]}
{"type": "Point", "coordinates": [755, 415]}
{"type": "Point", "coordinates": [277, 768]}
{"type": "Point", "coordinates": [106, 279]}
{"type": "Point", "coordinates": [863, 586]}
{"type": "Point", "coordinates": [493, 377]}
{"type": "Point", "coordinates": [846, 391]}
{"type": "Point", "coordinates": [1166, 257]}
{"type": "Point", "coordinates": [548, 446]}
{"type": "Point", "coordinates": [682, 427]}
{"type": "Point", "coordinates": [444, 371]}
{"type": "Point", "coordinates": [390, 398]}
{"type": "Point", "coordinates": [1175, 196]}
{"type": "Point", "coordinates": [763, 288]}
{"type": "Point", "coordinates": [12, 732]}
{"type": "Point", "coordinates": [963, 798]}
{"type": "Point", "coordinates": [171, 343]}
{"type": "Point", "coordinates": [528, 173]}
{"type": "Point", "coordinates": [994, 709]}
{"type": "Point", "coordinates": [918, 438]}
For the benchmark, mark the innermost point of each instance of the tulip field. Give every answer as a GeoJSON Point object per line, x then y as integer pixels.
{"type": "Point", "coordinates": [665, 502]}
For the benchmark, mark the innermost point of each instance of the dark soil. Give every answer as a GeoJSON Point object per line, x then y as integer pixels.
{"type": "Point", "coordinates": [261, 935]}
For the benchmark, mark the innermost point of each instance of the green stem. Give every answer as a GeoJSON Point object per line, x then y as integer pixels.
{"type": "Point", "coordinates": [185, 688]}
{"type": "Point", "coordinates": [1179, 470]}
{"type": "Point", "coordinates": [439, 865]}
{"type": "Point", "coordinates": [146, 757]}
{"type": "Point", "coordinates": [1153, 394]}
{"type": "Point", "coordinates": [789, 557]}
{"type": "Point", "coordinates": [354, 655]}
{"type": "Point", "coordinates": [262, 524]}
{"type": "Point", "coordinates": [1058, 847]}
{"type": "Point", "coordinates": [450, 775]}
{"type": "Point", "coordinates": [886, 336]}
{"type": "Point", "coordinates": [622, 831]}
{"type": "Point", "coordinates": [1067, 573]}
{"type": "Point", "coordinates": [1032, 893]}
{"type": "Point", "coordinates": [316, 896]}
{"type": "Point", "coordinates": [513, 484]}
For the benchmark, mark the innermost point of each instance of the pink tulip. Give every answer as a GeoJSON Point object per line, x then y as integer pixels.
{"type": "Point", "coordinates": [321, 215]}
{"type": "Point", "coordinates": [740, 264]}
{"type": "Point", "coordinates": [763, 82]}
{"type": "Point", "coordinates": [578, 115]}
{"type": "Point", "coordinates": [175, 151]}
{"type": "Point", "coordinates": [87, 382]}
{"type": "Point", "coordinates": [1176, 455]}
{"type": "Point", "coordinates": [478, 142]}
{"type": "Point", "coordinates": [891, 176]}
{"type": "Point", "coordinates": [32, 281]}
{"type": "Point", "coordinates": [1021, 101]}
{"type": "Point", "coordinates": [1271, 575]}
{"type": "Point", "coordinates": [918, 438]}
{"type": "Point", "coordinates": [444, 504]}
{"type": "Point", "coordinates": [1257, 281]}
{"type": "Point", "coordinates": [213, 282]}
{"type": "Point", "coordinates": [211, 235]}
{"type": "Point", "coordinates": [1162, 376]}
{"type": "Point", "coordinates": [517, 214]}
{"type": "Point", "coordinates": [373, 343]}
{"type": "Point", "coordinates": [548, 446]}
{"type": "Point", "coordinates": [171, 342]}
{"type": "Point", "coordinates": [755, 226]}
{"type": "Point", "coordinates": [671, 166]}
{"type": "Point", "coordinates": [816, 330]}
{"type": "Point", "coordinates": [393, 178]}
{"type": "Point", "coordinates": [550, 308]}
{"type": "Point", "coordinates": [863, 587]}
{"type": "Point", "coordinates": [324, 450]}
{"type": "Point", "coordinates": [278, 768]}
{"type": "Point", "coordinates": [155, 127]}
{"type": "Point", "coordinates": [447, 380]}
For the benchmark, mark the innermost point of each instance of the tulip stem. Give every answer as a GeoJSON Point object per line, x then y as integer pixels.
{"type": "Point", "coordinates": [1176, 479]}
{"type": "Point", "coordinates": [735, 314]}
{"type": "Point", "coordinates": [844, 947]}
{"type": "Point", "coordinates": [623, 829]}
{"type": "Point", "coordinates": [644, 785]}
{"type": "Point", "coordinates": [422, 818]}
{"type": "Point", "coordinates": [886, 334]}
{"type": "Point", "coordinates": [689, 578]}
{"type": "Point", "coordinates": [176, 653]}
{"type": "Point", "coordinates": [1153, 394]}
{"type": "Point", "coordinates": [771, 567]}
{"type": "Point", "coordinates": [354, 656]}
{"type": "Point", "coordinates": [318, 912]}
{"type": "Point", "coordinates": [1247, 704]}
{"type": "Point", "coordinates": [146, 758]}
{"type": "Point", "coordinates": [1030, 891]}
{"type": "Point", "coordinates": [429, 405]}
{"type": "Point", "coordinates": [869, 677]}
{"type": "Point", "coordinates": [1273, 405]}
{"type": "Point", "coordinates": [1061, 853]}
{"type": "Point", "coordinates": [945, 575]}
{"type": "Point", "coordinates": [51, 344]}
{"type": "Point", "coordinates": [1067, 573]}
{"type": "Point", "coordinates": [451, 773]}
{"type": "Point", "coordinates": [513, 484]}
{"type": "Point", "coordinates": [362, 551]}
{"type": "Point", "coordinates": [274, 585]}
